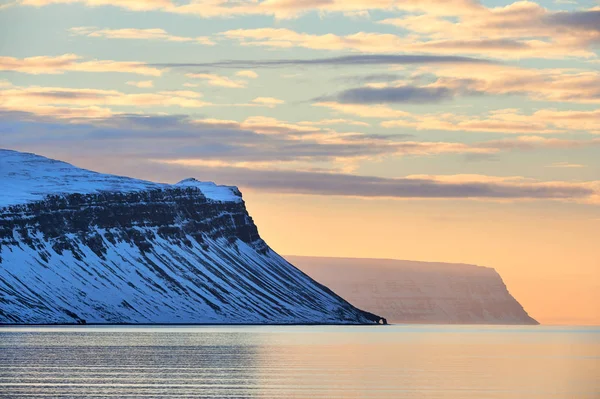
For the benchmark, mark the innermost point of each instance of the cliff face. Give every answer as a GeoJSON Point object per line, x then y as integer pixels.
{"type": "Point", "coordinates": [419, 292]}
{"type": "Point", "coordinates": [78, 246]}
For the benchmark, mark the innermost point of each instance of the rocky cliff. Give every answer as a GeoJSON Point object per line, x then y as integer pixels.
{"type": "Point", "coordinates": [419, 292]}
{"type": "Point", "coordinates": [83, 247]}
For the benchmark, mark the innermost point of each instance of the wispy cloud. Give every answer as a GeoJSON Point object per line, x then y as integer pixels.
{"type": "Point", "coordinates": [400, 94]}
{"type": "Point", "coordinates": [348, 60]}
{"type": "Point", "coordinates": [199, 152]}
{"type": "Point", "coordinates": [73, 63]}
{"type": "Point", "coordinates": [247, 74]}
{"type": "Point", "coordinates": [474, 187]}
{"type": "Point", "coordinates": [523, 28]}
{"type": "Point", "coordinates": [329, 122]}
{"type": "Point", "coordinates": [504, 121]}
{"type": "Point", "coordinates": [91, 103]}
{"type": "Point", "coordinates": [507, 121]}
{"type": "Point", "coordinates": [447, 43]}
{"type": "Point", "coordinates": [566, 165]}
{"type": "Point", "coordinates": [218, 80]}
{"type": "Point", "coordinates": [137, 34]}
{"type": "Point", "coordinates": [443, 82]}
{"type": "Point", "coordinates": [276, 8]}
{"type": "Point", "coordinates": [143, 84]}
{"type": "Point", "coordinates": [540, 84]}
{"type": "Point", "coordinates": [362, 110]}
{"type": "Point", "coordinates": [256, 140]}
{"type": "Point", "coordinates": [134, 5]}
{"type": "Point", "coordinates": [268, 101]}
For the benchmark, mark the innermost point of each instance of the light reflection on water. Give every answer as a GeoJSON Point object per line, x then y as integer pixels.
{"type": "Point", "coordinates": [428, 362]}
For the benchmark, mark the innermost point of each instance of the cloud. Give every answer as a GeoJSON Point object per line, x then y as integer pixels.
{"type": "Point", "coordinates": [537, 142]}
{"type": "Point", "coordinates": [507, 121]}
{"type": "Point", "coordinates": [7, 5]}
{"type": "Point", "coordinates": [328, 122]}
{"type": "Point", "coordinates": [549, 84]}
{"type": "Point", "coordinates": [565, 165]}
{"type": "Point", "coordinates": [371, 78]}
{"type": "Point", "coordinates": [411, 187]}
{"type": "Point", "coordinates": [53, 112]}
{"type": "Point", "coordinates": [144, 84]}
{"type": "Point", "coordinates": [434, 83]}
{"type": "Point", "coordinates": [571, 120]}
{"type": "Point", "coordinates": [520, 29]}
{"type": "Point", "coordinates": [348, 60]}
{"type": "Point", "coordinates": [268, 101]}
{"type": "Point", "coordinates": [588, 20]}
{"type": "Point", "coordinates": [88, 103]}
{"type": "Point", "coordinates": [523, 28]}
{"type": "Point", "coordinates": [72, 63]}
{"type": "Point", "coordinates": [267, 162]}
{"type": "Point", "coordinates": [370, 42]}
{"type": "Point", "coordinates": [504, 121]}
{"type": "Point", "coordinates": [138, 34]}
{"type": "Point", "coordinates": [134, 5]}
{"type": "Point", "coordinates": [276, 8]}
{"type": "Point", "coordinates": [247, 74]}
{"type": "Point", "coordinates": [401, 94]}
{"type": "Point", "coordinates": [442, 42]}
{"type": "Point", "coordinates": [361, 110]}
{"type": "Point", "coordinates": [256, 140]}
{"type": "Point", "coordinates": [268, 154]}
{"type": "Point", "coordinates": [218, 80]}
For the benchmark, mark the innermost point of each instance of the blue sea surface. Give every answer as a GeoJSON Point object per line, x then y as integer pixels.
{"type": "Point", "coordinates": [402, 361]}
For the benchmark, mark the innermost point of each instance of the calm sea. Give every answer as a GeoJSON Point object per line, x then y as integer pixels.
{"type": "Point", "coordinates": [426, 362]}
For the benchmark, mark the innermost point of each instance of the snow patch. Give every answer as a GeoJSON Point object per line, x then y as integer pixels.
{"type": "Point", "coordinates": [26, 177]}
{"type": "Point", "coordinates": [213, 191]}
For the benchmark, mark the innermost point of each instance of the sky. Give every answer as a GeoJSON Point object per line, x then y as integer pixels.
{"type": "Point", "coordinates": [434, 130]}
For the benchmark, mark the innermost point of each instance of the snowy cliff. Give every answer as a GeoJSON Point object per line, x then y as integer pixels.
{"type": "Point", "coordinates": [419, 292]}
{"type": "Point", "coordinates": [78, 246]}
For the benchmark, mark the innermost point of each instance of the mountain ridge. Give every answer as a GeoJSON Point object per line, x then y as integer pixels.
{"type": "Point", "coordinates": [78, 246]}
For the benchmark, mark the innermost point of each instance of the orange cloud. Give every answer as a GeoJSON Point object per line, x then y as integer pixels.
{"type": "Point", "coordinates": [88, 103]}
{"type": "Point", "coordinates": [276, 8]}
{"type": "Point", "coordinates": [137, 34]}
{"type": "Point", "coordinates": [135, 5]}
{"type": "Point", "coordinates": [144, 84]}
{"type": "Point", "coordinates": [390, 43]}
{"type": "Point", "coordinates": [554, 85]}
{"type": "Point", "coordinates": [268, 101]}
{"type": "Point", "coordinates": [247, 74]}
{"type": "Point", "coordinates": [71, 62]}
{"type": "Point", "coordinates": [327, 122]}
{"type": "Point", "coordinates": [501, 121]}
{"type": "Point", "coordinates": [565, 165]}
{"type": "Point", "coordinates": [218, 80]}
{"type": "Point", "coordinates": [525, 26]}
{"type": "Point", "coordinates": [365, 111]}
{"type": "Point", "coordinates": [540, 122]}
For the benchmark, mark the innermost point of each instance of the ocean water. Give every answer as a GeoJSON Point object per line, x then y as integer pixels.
{"type": "Point", "coordinates": [427, 362]}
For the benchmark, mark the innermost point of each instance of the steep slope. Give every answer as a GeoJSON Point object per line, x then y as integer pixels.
{"type": "Point", "coordinates": [78, 246]}
{"type": "Point", "coordinates": [419, 292]}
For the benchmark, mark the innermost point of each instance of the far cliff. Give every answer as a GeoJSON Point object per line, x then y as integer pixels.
{"type": "Point", "coordinates": [419, 292]}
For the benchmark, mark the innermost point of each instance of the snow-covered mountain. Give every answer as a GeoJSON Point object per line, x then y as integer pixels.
{"type": "Point", "coordinates": [78, 246]}
{"type": "Point", "coordinates": [419, 292]}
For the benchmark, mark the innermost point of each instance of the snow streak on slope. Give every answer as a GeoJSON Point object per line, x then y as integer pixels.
{"type": "Point", "coordinates": [82, 246]}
